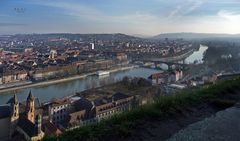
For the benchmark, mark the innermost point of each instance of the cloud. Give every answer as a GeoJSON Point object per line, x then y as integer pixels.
{"type": "Point", "coordinates": [3, 15]}
{"type": "Point", "coordinates": [69, 8]}
{"type": "Point", "coordinates": [12, 24]}
{"type": "Point", "coordinates": [153, 18]}
{"type": "Point", "coordinates": [82, 12]}
{"type": "Point", "coordinates": [195, 4]}
{"type": "Point", "coordinates": [225, 21]}
{"type": "Point", "coordinates": [225, 2]}
{"type": "Point", "coordinates": [175, 11]}
{"type": "Point", "coordinates": [91, 19]}
{"type": "Point", "coordinates": [185, 8]}
{"type": "Point", "coordinates": [229, 15]}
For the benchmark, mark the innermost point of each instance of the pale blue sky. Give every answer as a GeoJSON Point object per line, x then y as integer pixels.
{"type": "Point", "coordinates": [147, 17]}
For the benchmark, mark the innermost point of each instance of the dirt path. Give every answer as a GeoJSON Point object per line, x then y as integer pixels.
{"type": "Point", "coordinates": [224, 126]}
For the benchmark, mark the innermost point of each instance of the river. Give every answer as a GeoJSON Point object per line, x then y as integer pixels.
{"type": "Point", "coordinates": [197, 56]}
{"type": "Point", "coordinates": [45, 93]}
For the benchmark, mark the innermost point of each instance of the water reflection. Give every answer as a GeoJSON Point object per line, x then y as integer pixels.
{"type": "Point", "coordinates": [163, 66]}
{"type": "Point", "coordinates": [45, 93]}
{"type": "Point", "coordinates": [197, 56]}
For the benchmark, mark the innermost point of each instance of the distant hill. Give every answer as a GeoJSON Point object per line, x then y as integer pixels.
{"type": "Point", "coordinates": [115, 36]}
{"type": "Point", "coordinates": [141, 36]}
{"type": "Point", "coordinates": [194, 35]}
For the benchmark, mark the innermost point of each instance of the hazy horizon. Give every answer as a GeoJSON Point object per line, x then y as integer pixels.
{"type": "Point", "coordinates": [132, 17]}
{"type": "Point", "coordinates": [136, 35]}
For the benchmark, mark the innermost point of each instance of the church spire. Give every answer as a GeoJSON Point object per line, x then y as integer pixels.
{"type": "Point", "coordinates": [30, 107]}
{"type": "Point", "coordinates": [30, 96]}
{"type": "Point", "coordinates": [15, 100]}
{"type": "Point", "coordinates": [15, 114]}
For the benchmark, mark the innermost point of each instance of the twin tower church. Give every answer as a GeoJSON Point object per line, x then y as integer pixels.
{"type": "Point", "coordinates": [22, 121]}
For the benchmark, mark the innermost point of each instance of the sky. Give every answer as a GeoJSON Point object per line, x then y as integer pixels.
{"type": "Point", "coordinates": [134, 17]}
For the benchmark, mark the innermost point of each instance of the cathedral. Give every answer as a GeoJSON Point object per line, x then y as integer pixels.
{"type": "Point", "coordinates": [21, 121]}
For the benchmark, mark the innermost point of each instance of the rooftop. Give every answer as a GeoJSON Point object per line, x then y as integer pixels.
{"type": "Point", "coordinates": [5, 111]}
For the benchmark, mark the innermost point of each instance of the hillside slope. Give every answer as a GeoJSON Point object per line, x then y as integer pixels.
{"type": "Point", "coordinates": [159, 121]}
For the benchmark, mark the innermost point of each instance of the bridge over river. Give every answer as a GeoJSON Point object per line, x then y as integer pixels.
{"type": "Point", "coordinates": [187, 58]}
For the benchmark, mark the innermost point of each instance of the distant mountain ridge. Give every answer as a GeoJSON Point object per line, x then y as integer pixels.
{"type": "Point", "coordinates": [104, 36]}
{"type": "Point", "coordinates": [194, 35]}
{"type": "Point", "coordinates": [125, 37]}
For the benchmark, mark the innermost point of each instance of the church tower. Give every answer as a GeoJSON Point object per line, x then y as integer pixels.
{"type": "Point", "coordinates": [30, 107]}
{"type": "Point", "coordinates": [15, 108]}
{"type": "Point", "coordinates": [38, 124]}
{"type": "Point", "coordinates": [38, 127]}
{"type": "Point", "coordinates": [14, 115]}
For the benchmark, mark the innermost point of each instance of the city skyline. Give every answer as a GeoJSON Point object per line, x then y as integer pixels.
{"type": "Point", "coordinates": [119, 16]}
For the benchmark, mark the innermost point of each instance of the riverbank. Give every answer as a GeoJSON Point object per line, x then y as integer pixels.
{"type": "Point", "coordinates": [51, 82]}
{"type": "Point", "coordinates": [174, 58]}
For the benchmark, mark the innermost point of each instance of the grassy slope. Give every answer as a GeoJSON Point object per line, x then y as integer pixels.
{"type": "Point", "coordinates": [124, 124]}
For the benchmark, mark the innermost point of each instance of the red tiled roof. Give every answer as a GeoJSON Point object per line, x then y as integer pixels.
{"type": "Point", "coordinates": [52, 128]}
{"type": "Point", "coordinates": [157, 75]}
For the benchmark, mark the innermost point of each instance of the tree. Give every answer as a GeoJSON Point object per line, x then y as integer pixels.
{"type": "Point", "coordinates": [126, 81]}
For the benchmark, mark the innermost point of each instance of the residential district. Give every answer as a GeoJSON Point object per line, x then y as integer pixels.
{"type": "Point", "coordinates": [27, 59]}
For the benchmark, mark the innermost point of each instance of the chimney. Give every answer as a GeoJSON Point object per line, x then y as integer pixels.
{"type": "Point", "coordinates": [112, 99]}
{"type": "Point", "coordinates": [92, 46]}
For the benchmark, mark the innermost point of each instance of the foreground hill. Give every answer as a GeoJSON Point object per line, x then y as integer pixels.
{"type": "Point", "coordinates": [161, 120]}
{"type": "Point", "coordinates": [223, 125]}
